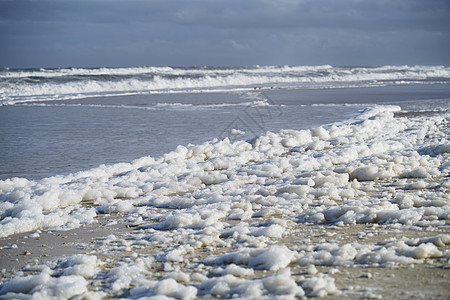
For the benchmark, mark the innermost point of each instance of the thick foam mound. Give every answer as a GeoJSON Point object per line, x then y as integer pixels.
{"type": "Point", "coordinates": [334, 168]}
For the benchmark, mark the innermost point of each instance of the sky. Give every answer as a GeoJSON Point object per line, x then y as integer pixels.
{"type": "Point", "coordinates": [120, 33]}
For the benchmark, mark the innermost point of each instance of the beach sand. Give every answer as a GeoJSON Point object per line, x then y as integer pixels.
{"type": "Point", "coordinates": [428, 280]}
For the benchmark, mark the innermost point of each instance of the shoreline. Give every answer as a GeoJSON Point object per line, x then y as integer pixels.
{"type": "Point", "coordinates": [289, 217]}
{"type": "Point", "coordinates": [353, 282]}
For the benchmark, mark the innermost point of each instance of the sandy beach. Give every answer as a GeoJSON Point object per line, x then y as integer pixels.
{"type": "Point", "coordinates": [427, 280]}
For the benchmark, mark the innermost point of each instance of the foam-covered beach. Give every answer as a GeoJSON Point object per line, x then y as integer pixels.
{"type": "Point", "coordinates": [327, 182]}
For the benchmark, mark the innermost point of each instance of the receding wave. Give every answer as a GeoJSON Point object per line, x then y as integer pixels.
{"type": "Point", "coordinates": [24, 85]}
{"type": "Point", "coordinates": [163, 105]}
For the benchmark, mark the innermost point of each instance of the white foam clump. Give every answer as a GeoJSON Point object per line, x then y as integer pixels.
{"type": "Point", "coordinates": [390, 254]}
{"type": "Point", "coordinates": [66, 280]}
{"type": "Point", "coordinates": [134, 277]}
{"type": "Point", "coordinates": [279, 284]}
{"type": "Point", "coordinates": [272, 231]}
{"type": "Point", "coordinates": [235, 270]}
{"type": "Point", "coordinates": [44, 286]}
{"type": "Point", "coordinates": [320, 286]}
{"type": "Point", "coordinates": [273, 258]}
{"type": "Point", "coordinates": [83, 265]}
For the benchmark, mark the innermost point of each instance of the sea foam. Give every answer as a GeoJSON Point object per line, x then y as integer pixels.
{"type": "Point", "coordinates": [340, 163]}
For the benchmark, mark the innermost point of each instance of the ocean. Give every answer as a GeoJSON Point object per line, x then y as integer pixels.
{"type": "Point", "coordinates": [59, 121]}
{"type": "Point", "coordinates": [248, 182]}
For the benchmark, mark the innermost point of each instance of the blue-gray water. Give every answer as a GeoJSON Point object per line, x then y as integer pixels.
{"type": "Point", "coordinates": [60, 137]}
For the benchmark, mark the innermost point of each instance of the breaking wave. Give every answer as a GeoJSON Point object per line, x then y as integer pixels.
{"type": "Point", "coordinates": [25, 85]}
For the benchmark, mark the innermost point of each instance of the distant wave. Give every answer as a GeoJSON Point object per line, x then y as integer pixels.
{"type": "Point", "coordinates": [161, 105]}
{"type": "Point", "coordinates": [25, 85]}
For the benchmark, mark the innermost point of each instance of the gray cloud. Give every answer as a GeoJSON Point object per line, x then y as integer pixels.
{"type": "Point", "coordinates": [201, 32]}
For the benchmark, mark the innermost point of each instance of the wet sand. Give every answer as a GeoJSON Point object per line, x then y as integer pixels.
{"type": "Point", "coordinates": [428, 280]}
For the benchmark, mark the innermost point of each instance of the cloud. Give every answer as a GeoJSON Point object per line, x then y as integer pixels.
{"type": "Point", "coordinates": [236, 13]}
{"type": "Point", "coordinates": [181, 32]}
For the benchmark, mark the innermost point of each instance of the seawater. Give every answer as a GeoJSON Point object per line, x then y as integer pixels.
{"type": "Point", "coordinates": [46, 138]}
{"type": "Point", "coordinates": [25, 85]}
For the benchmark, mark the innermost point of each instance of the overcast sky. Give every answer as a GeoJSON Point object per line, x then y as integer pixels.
{"type": "Point", "coordinates": [116, 33]}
